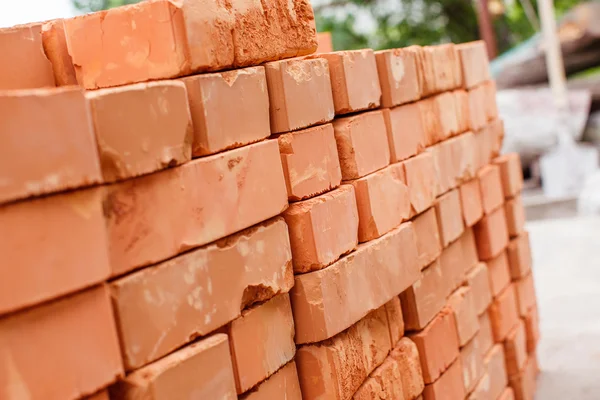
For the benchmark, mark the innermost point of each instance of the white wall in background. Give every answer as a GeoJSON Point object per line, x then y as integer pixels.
{"type": "Point", "coordinates": [13, 12]}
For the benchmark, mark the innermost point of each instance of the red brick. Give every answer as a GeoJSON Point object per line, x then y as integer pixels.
{"type": "Point", "coordinates": [261, 341]}
{"type": "Point", "coordinates": [462, 304]}
{"type": "Point", "coordinates": [382, 201]}
{"type": "Point", "coordinates": [55, 49]}
{"type": "Point", "coordinates": [525, 291]}
{"type": "Point", "coordinates": [354, 80]}
{"type": "Point", "coordinates": [45, 243]}
{"type": "Point", "coordinates": [56, 150]}
{"type": "Point", "coordinates": [362, 144]}
{"type": "Point", "coordinates": [471, 359]}
{"type": "Point", "coordinates": [496, 136]}
{"type": "Point", "coordinates": [393, 309]}
{"type": "Point", "coordinates": [453, 266]}
{"type": "Point", "coordinates": [221, 39]}
{"type": "Point", "coordinates": [511, 173]}
{"type": "Point", "coordinates": [383, 383]}
{"type": "Point", "coordinates": [469, 247]}
{"type": "Point", "coordinates": [437, 345]}
{"type": "Point", "coordinates": [283, 383]}
{"type": "Point", "coordinates": [102, 395]}
{"type": "Point", "coordinates": [485, 335]}
{"type": "Point", "coordinates": [325, 42]}
{"type": "Point", "coordinates": [429, 246]}
{"type": "Point", "coordinates": [474, 62]}
{"type": "Point", "coordinates": [206, 287]}
{"type": "Point", "coordinates": [503, 313]}
{"type": "Point", "coordinates": [491, 109]}
{"type": "Point", "coordinates": [141, 128]}
{"type": "Point", "coordinates": [449, 386]}
{"type": "Point", "coordinates": [449, 216]}
{"type": "Point", "coordinates": [445, 66]}
{"type": "Point", "coordinates": [421, 181]}
{"type": "Point", "coordinates": [24, 64]}
{"type": "Point", "coordinates": [519, 256]}
{"type": "Point", "coordinates": [484, 146]}
{"type": "Point", "coordinates": [446, 168]}
{"type": "Point", "coordinates": [515, 216]}
{"type": "Point", "coordinates": [470, 198]}
{"type": "Point", "coordinates": [229, 109]}
{"type": "Point", "coordinates": [406, 355]}
{"type": "Point", "coordinates": [494, 362]}
{"type": "Point", "coordinates": [523, 384]}
{"type": "Point", "coordinates": [405, 131]}
{"type": "Point", "coordinates": [397, 70]}
{"type": "Point", "coordinates": [325, 301]}
{"type": "Point", "coordinates": [425, 298]}
{"type": "Point", "coordinates": [338, 366]}
{"type": "Point", "coordinates": [508, 394]}
{"type": "Point", "coordinates": [515, 349]}
{"type": "Point", "coordinates": [461, 101]}
{"type": "Point", "coordinates": [479, 282]}
{"type": "Point", "coordinates": [491, 234]}
{"type": "Point", "coordinates": [464, 151]}
{"type": "Point", "coordinates": [491, 188]}
{"type": "Point", "coordinates": [425, 71]}
{"type": "Point", "coordinates": [47, 349]}
{"type": "Point", "coordinates": [310, 162]}
{"type": "Point", "coordinates": [432, 123]}
{"type": "Point", "coordinates": [499, 273]}
{"type": "Point", "coordinates": [323, 228]}
{"type": "Point", "coordinates": [445, 103]}
{"type": "Point", "coordinates": [202, 369]}
{"type": "Point", "coordinates": [155, 217]}
{"type": "Point", "coordinates": [477, 108]}
{"type": "Point", "coordinates": [532, 329]}
{"type": "Point", "coordinates": [299, 93]}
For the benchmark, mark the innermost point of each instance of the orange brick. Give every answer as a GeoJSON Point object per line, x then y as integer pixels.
{"type": "Point", "coordinates": [474, 62]}
{"type": "Point", "coordinates": [101, 395]}
{"type": "Point", "coordinates": [508, 394]}
{"type": "Point", "coordinates": [519, 256]}
{"type": "Point", "coordinates": [525, 291]}
{"type": "Point", "coordinates": [421, 181]}
{"type": "Point", "coordinates": [229, 109]}
{"type": "Point", "coordinates": [261, 341]}
{"type": "Point", "coordinates": [437, 345]}
{"type": "Point", "coordinates": [511, 173]}
{"type": "Point", "coordinates": [494, 362]}
{"type": "Point", "coordinates": [471, 359]}
{"type": "Point", "coordinates": [354, 80]}
{"type": "Point", "coordinates": [154, 217]}
{"type": "Point", "coordinates": [141, 128]}
{"type": "Point", "coordinates": [484, 146]}
{"type": "Point", "coordinates": [449, 386]}
{"type": "Point", "coordinates": [446, 169]}
{"type": "Point", "coordinates": [362, 144]}
{"type": "Point", "coordinates": [491, 109]}
{"type": "Point", "coordinates": [491, 234]}
{"type": "Point", "coordinates": [56, 150]}
{"type": "Point", "coordinates": [479, 282]}
{"type": "Point", "coordinates": [449, 216]}
{"type": "Point", "coordinates": [338, 366]}
{"type": "Point", "coordinates": [207, 288]}
{"type": "Point", "coordinates": [470, 198]}
{"type": "Point", "coordinates": [299, 93]}
{"type": "Point", "coordinates": [464, 151]}
{"type": "Point", "coordinates": [477, 114]}
{"type": "Point", "coordinates": [503, 313]}
{"type": "Point", "coordinates": [310, 162]}
{"type": "Point", "coordinates": [324, 42]}
{"type": "Point", "coordinates": [323, 228]}
{"type": "Point", "coordinates": [485, 335]}
{"type": "Point", "coordinates": [427, 234]}
{"type": "Point", "coordinates": [382, 201]}
{"type": "Point", "coordinates": [59, 339]}
{"type": "Point", "coordinates": [425, 71]}
{"type": "Point", "coordinates": [405, 131]}
{"type": "Point", "coordinates": [45, 243]}
{"type": "Point", "coordinates": [325, 301]}
{"type": "Point", "coordinates": [397, 70]}
{"type": "Point", "coordinates": [283, 383]}
{"type": "Point", "coordinates": [532, 329]}
{"type": "Point", "coordinates": [461, 102]}
{"type": "Point", "coordinates": [432, 123]}
{"type": "Point", "coordinates": [447, 74]}
{"type": "Point", "coordinates": [393, 309]}
{"type": "Point", "coordinates": [469, 247]}
{"type": "Point", "coordinates": [383, 383]}
{"type": "Point", "coordinates": [452, 260]}
{"type": "Point", "coordinates": [24, 64]}
{"type": "Point", "coordinates": [462, 304]}
{"type": "Point", "coordinates": [406, 355]}
{"type": "Point", "coordinates": [491, 188]}
{"type": "Point", "coordinates": [496, 136]}
{"type": "Point", "coordinates": [499, 273]}
{"type": "Point", "coordinates": [515, 349]}
{"type": "Point", "coordinates": [515, 216]}
{"type": "Point", "coordinates": [523, 384]}
{"type": "Point", "coordinates": [425, 298]}
{"type": "Point", "coordinates": [55, 49]}
{"type": "Point", "coordinates": [446, 108]}
{"type": "Point", "coordinates": [220, 39]}
{"type": "Point", "coordinates": [201, 369]}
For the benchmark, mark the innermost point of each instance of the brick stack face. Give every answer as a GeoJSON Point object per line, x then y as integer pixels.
{"type": "Point", "coordinates": [337, 225]}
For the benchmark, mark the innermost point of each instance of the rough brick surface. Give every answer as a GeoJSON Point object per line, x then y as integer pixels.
{"type": "Point", "coordinates": [261, 341]}
{"type": "Point", "coordinates": [532, 329]}
{"type": "Point", "coordinates": [431, 121]}
{"type": "Point", "coordinates": [229, 109]}
{"type": "Point", "coordinates": [499, 273]}
{"type": "Point", "coordinates": [449, 386]}
{"type": "Point", "coordinates": [461, 104]}
{"type": "Point", "coordinates": [384, 383]}
{"type": "Point", "coordinates": [479, 282]}
{"type": "Point", "coordinates": [511, 173]}
{"type": "Point", "coordinates": [494, 362]}
{"type": "Point", "coordinates": [362, 144]}
{"type": "Point", "coordinates": [464, 153]}
{"type": "Point", "coordinates": [323, 228]}
{"type": "Point", "coordinates": [452, 261]}
{"type": "Point", "coordinates": [382, 200]}
{"type": "Point", "coordinates": [491, 235]}
{"type": "Point", "coordinates": [519, 256]}
{"type": "Point", "coordinates": [325, 301]}
{"type": "Point", "coordinates": [449, 217]}
{"type": "Point", "coordinates": [446, 109]}
{"type": "Point", "coordinates": [525, 291]}
{"type": "Point", "coordinates": [310, 162]}
{"type": "Point", "coordinates": [157, 216]}
{"type": "Point", "coordinates": [477, 112]}
{"type": "Point", "coordinates": [425, 298]}
{"type": "Point", "coordinates": [515, 349]}
{"type": "Point", "coordinates": [407, 356]}
{"type": "Point", "coordinates": [49, 348]}
{"type": "Point", "coordinates": [491, 107]}
{"type": "Point", "coordinates": [474, 62]}
{"type": "Point", "coordinates": [515, 216]}
{"type": "Point", "coordinates": [446, 167]}
{"type": "Point", "coordinates": [283, 383]}
{"type": "Point", "coordinates": [55, 48]}
{"type": "Point", "coordinates": [491, 188]}
{"type": "Point", "coordinates": [405, 130]}
{"type": "Point", "coordinates": [299, 93]}
{"type": "Point", "coordinates": [485, 335]}
{"type": "Point", "coordinates": [397, 70]}
{"type": "Point", "coordinates": [393, 309]}
{"type": "Point", "coordinates": [427, 234]}
{"type": "Point", "coordinates": [503, 313]}
{"type": "Point", "coordinates": [56, 150]}
{"type": "Point", "coordinates": [471, 359]}
{"type": "Point", "coordinates": [160, 308]}
{"type": "Point", "coordinates": [201, 369]}
{"type": "Point", "coordinates": [469, 247]}
{"type": "Point", "coordinates": [421, 181]}
{"type": "Point", "coordinates": [462, 304]}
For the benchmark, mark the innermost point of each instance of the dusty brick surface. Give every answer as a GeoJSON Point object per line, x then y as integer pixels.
{"type": "Point", "coordinates": [384, 383]}
{"type": "Point", "coordinates": [282, 383]}
{"type": "Point", "coordinates": [471, 359]}
{"type": "Point", "coordinates": [485, 335]}
{"type": "Point", "coordinates": [461, 303]}
{"type": "Point", "coordinates": [405, 130]}
{"type": "Point", "coordinates": [393, 309]}
{"type": "Point", "coordinates": [397, 71]}
{"type": "Point", "coordinates": [406, 355]}
{"type": "Point", "coordinates": [479, 281]}
{"type": "Point", "coordinates": [425, 298]}
{"type": "Point", "coordinates": [474, 62]}
{"type": "Point", "coordinates": [452, 261]}
{"type": "Point", "coordinates": [449, 216]}
{"type": "Point", "coordinates": [426, 229]}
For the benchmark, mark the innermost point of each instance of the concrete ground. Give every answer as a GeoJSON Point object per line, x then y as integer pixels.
{"type": "Point", "coordinates": [566, 256]}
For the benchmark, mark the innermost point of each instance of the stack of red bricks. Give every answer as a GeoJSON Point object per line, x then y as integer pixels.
{"type": "Point", "coordinates": [175, 232]}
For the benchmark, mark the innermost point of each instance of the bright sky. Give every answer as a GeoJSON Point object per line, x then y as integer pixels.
{"type": "Point", "coordinates": [13, 12]}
